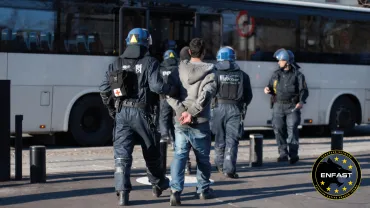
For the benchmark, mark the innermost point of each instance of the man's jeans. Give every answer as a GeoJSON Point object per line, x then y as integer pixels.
{"type": "Point", "coordinates": [199, 138]}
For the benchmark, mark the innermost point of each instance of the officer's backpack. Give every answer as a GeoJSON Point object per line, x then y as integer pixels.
{"type": "Point", "coordinates": [123, 79]}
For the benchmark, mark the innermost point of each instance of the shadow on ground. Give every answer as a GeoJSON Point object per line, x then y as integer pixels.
{"type": "Point", "coordinates": [239, 195]}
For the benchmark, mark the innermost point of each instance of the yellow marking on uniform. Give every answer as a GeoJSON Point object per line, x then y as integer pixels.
{"type": "Point", "coordinates": [275, 83]}
{"type": "Point", "coordinates": [171, 55]}
{"type": "Point", "coordinates": [133, 39]}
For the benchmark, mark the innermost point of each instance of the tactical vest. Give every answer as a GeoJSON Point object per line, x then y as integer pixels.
{"type": "Point", "coordinates": [286, 89]}
{"type": "Point", "coordinates": [166, 72]}
{"type": "Point", "coordinates": [230, 85]}
{"type": "Point", "coordinates": [123, 79]}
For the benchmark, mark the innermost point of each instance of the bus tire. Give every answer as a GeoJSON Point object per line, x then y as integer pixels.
{"type": "Point", "coordinates": [89, 122]}
{"type": "Point", "coordinates": [343, 115]}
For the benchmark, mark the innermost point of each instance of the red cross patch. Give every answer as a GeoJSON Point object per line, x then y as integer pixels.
{"type": "Point", "coordinates": [117, 92]}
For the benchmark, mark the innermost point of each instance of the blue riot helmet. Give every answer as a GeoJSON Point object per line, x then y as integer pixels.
{"type": "Point", "coordinates": [169, 54]}
{"type": "Point", "coordinates": [292, 59]}
{"type": "Point", "coordinates": [139, 36]}
{"type": "Point", "coordinates": [226, 54]}
{"type": "Point", "coordinates": [282, 54]}
{"type": "Point", "coordinates": [291, 56]}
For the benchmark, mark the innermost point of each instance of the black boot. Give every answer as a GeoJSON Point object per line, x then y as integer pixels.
{"type": "Point", "coordinates": [175, 199]}
{"type": "Point", "coordinates": [231, 175]}
{"type": "Point", "coordinates": [207, 194]}
{"type": "Point", "coordinates": [158, 189]}
{"type": "Point", "coordinates": [282, 159]}
{"type": "Point", "coordinates": [293, 160]}
{"type": "Point", "coordinates": [123, 197]}
{"type": "Point", "coordinates": [157, 192]}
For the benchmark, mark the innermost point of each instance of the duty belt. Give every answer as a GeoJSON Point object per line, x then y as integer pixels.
{"type": "Point", "coordinates": [134, 104]}
{"type": "Point", "coordinates": [222, 101]}
{"type": "Point", "coordinates": [284, 101]}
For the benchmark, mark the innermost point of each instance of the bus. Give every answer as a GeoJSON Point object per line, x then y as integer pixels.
{"type": "Point", "coordinates": [56, 52]}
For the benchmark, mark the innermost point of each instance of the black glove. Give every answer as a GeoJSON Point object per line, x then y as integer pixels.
{"type": "Point", "coordinates": [173, 92]}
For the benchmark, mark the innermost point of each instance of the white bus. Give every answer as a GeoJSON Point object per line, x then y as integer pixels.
{"type": "Point", "coordinates": [55, 52]}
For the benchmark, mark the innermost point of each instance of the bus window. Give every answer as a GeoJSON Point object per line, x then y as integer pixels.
{"type": "Point", "coordinates": [257, 35]}
{"type": "Point", "coordinates": [20, 28]}
{"type": "Point", "coordinates": [210, 29]}
{"type": "Point", "coordinates": [329, 40]}
{"type": "Point", "coordinates": [78, 22]}
{"type": "Point", "coordinates": [273, 32]}
{"type": "Point", "coordinates": [170, 30]}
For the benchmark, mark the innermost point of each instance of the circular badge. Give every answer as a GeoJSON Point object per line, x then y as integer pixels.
{"type": "Point", "coordinates": [336, 174]}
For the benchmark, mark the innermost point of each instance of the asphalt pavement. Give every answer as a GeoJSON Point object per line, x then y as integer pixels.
{"type": "Point", "coordinates": [83, 177]}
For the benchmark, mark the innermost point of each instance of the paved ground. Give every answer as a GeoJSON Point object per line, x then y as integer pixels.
{"type": "Point", "coordinates": [83, 177]}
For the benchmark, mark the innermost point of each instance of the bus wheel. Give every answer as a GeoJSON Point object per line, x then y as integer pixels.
{"type": "Point", "coordinates": [343, 115]}
{"type": "Point", "coordinates": [89, 122]}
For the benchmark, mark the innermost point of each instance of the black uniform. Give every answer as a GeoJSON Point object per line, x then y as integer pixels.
{"type": "Point", "coordinates": [133, 117]}
{"type": "Point", "coordinates": [288, 87]}
{"type": "Point", "coordinates": [233, 96]}
{"type": "Point", "coordinates": [166, 113]}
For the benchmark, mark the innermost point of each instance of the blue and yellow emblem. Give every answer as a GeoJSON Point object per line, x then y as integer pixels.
{"type": "Point", "coordinates": [336, 174]}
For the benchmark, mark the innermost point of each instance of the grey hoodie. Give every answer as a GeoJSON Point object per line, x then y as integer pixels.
{"type": "Point", "coordinates": [197, 86]}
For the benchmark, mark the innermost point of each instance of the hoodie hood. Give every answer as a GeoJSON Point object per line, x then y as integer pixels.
{"type": "Point", "coordinates": [195, 71]}
{"type": "Point", "coordinates": [227, 66]}
{"type": "Point", "coordinates": [170, 62]}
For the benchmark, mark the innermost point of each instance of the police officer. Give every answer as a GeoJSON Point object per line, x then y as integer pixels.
{"type": "Point", "coordinates": [166, 126]}
{"type": "Point", "coordinates": [233, 96]}
{"type": "Point", "coordinates": [130, 81]}
{"type": "Point", "coordinates": [289, 90]}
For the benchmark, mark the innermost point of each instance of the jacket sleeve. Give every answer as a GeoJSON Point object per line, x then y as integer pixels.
{"type": "Point", "coordinates": [248, 94]}
{"type": "Point", "coordinates": [271, 82]}
{"type": "Point", "coordinates": [106, 92]}
{"type": "Point", "coordinates": [156, 83]}
{"type": "Point", "coordinates": [174, 80]}
{"type": "Point", "coordinates": [303, 90]}
{"type": "Point", "coordinates": [207, 92]}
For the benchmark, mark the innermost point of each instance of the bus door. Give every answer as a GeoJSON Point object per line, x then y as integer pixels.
{"type": "Point", "coordinates": [171, 28]}
{"type": "Point", "coordinates": [209, 27]}
{"type": "Point", "coordinates": [129, 18]}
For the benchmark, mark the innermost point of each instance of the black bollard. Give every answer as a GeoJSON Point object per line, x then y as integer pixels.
{"type": "Point", "coordinates": [255, 150]}
{"type": "Point", "coordinates": [5, 130]}
{"type": "Point", "coordinates": [18, 147]}
{"type": "Point", "coordinates": [163, 148]}
{"type": "Point", "coordinates": [337, 140]}
{"type": "Point", "coordinates": [38, 164]}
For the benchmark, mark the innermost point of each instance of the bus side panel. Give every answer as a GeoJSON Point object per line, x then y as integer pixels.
{"type": "Point", "coordinates": [53, 70]}
{"type": "Point", "coordinates": [311, 108]}
{"type": "Point", "coordinates": [366, 115]}
{"type": "Point", "coordinates": [337, 80]}
{"type": "Point", "coordinates": [3, 66]}
{"type": "Point", "coordinates": [63, 99]}
{"type": "Point", "coordinates": [258, 112]}
{"type": "Point", "coordinates": [35, 104]}
{"type": "Point", "coordinates": [328, 97]}
{"type": "Point", "coordinates": [367, 112]}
